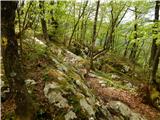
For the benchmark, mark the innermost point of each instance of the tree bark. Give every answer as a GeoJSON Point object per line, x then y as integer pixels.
{"type": "Point", "coordinates": [114, 23]}
{"type": "Point", "coordinates": [154, 46]}
{"type": "Point", "coordinates": [155, 53]}
{"type": "Point", "coordinates": [134, 47]}
{"type": "Point", "coordinates": [54, 22]}
{"type": "Point", "coordinates": [76, 24]}
{"type": "Point", "coordinates": [13, 71]}
{"type": "Point", "coordinates": [43, 21]}
{"type": "Point", "coordinates": [94, 34]}
{"type": "Point", "coordinates": [155, 68]}
{"type": "Point", "coordinates": [126, 48]}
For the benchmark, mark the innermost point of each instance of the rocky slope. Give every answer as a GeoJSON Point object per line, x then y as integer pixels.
{"type": "Point", "coordinates": [55, 79]}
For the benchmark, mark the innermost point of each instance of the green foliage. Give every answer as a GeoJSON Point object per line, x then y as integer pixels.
{"type": "Point", "coordinates": [10, 116]}
{"type": "Point", "coordinates": [47, 78]}
{"type": "Point", "coordinates": [38, 51]}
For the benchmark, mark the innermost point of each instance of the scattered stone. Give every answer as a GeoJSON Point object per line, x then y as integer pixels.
{"type": "Point", "coordinates": [103, 85]}
{"type": "Point", "coordinates": [129, 85]}
{"type": "Point", "coordinates": [2, 83]}
{"type": "Point", "coordinates": [135, 75]}
{"type": "Point", "coordinates": [30, 82]}
{"type": "Point", "coordinates": [87, 107]}
{"type": "Point", "coordinates": [126, 68]}
{"type": "Point", "coordinates": [38, 41]}
{"type": "Point", "coordinates": [120, 109]}
{"type": "Point", "coordinates": [4, 94]}
{"type": "Point", "coordinates": [91, 118]}
{"type": "Point", "coordinates": [70, 115]}
{"type": "Point", "coordinates": [55, 96]}
{"type": "Point", "coordinates": [114, 76]}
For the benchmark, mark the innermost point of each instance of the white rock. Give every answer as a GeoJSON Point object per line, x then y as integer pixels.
{"type": "Point", "coordinates": [84, 104]}
{"type": "Point", "coordinates": [30, 82]}
{"type": "Point", "coordinates": [49, 86]}
{"type": "Point", "coordinates": [70, 115]}
{"type": "Point", "coordinates": [39, 41]}
{"type": "Point", "coordinates": [98, 103]}
{"type": "Point", "coordinates": [91, 118]}
{"type": "Point", "coordinates": [126, 68]}
{"type": "Point", "coordinates": [101, 82]}
{"type": "Point", "coordinates": [2, 83]}
{"type": "Point", "coordinates": [129, 85]}
{"type": "Point", "coordinates": [115, 76]}
{"type": "Point", "coordinates": [135, 75]}
{"type": "Point", "coordinates": [55, 97]}
{"type": "Point", "coordinates": [103, 85]}
{"type": "Point", "coordinates": [122, 109]}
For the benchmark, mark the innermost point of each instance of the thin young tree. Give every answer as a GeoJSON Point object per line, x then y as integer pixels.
{"type": "Point", "coordinates": [94, 34]}
{"type": "Point", "coordinates": [115, 20]}
{"type": "Point", "coordinates": [134, 48]}
{"type": "Point", "coordinates": [76, 24]}
{"type": "Point", "coordinates": [53, 21]}
{"type": "Point", "coordinates": [43, 21]}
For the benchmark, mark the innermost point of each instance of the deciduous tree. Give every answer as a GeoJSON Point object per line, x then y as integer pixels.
{"type": "Point", "coordinates": [13, 70]}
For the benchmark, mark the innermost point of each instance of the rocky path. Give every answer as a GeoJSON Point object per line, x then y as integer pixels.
{"type": "Point", "coordinates": [132, 100]}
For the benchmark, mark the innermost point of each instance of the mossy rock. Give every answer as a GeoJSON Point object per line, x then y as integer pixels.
{"type": "Point", "coordinates": [155, 98]}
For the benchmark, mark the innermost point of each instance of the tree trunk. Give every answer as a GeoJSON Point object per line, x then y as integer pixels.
{"type": "Point", "coordinates": [155, 68]}
{"type": "Point", "coordinates": [13, 71]}
{"type": "Point", "coordinates": [126, 44]}
{"type": "Point", "coordinates": [82, 30]}
{"type": "Point", "coordinates": [154, 46]}
{"type": "Point", "coordinates": [54, 22]}
{"type": "Point", "coordinates": [85, 28]}
{"type": "Point", "coordinates": [43, 21]}
{"type": "Point", "coordinates": [155, 53]}
{"type": "Point", "coordinates": [109, 38]}
{"type": "Point", "coordinates": [76, 24]}
{"type": "Point", "coordinates": [134, 47]}
{"type": "Point", "coordinates": [94, 34]}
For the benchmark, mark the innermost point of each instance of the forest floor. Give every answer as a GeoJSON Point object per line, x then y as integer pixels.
{"type": "Point", "coordinates": [132, 100]}
{"type": "Point", "coordinates": [105, 93]}
{"type": "Point", "coordinates": [35, 71]}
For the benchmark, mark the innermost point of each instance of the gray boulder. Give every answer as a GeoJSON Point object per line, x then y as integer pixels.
{"type": "Point", "coordinates": [123, 112]}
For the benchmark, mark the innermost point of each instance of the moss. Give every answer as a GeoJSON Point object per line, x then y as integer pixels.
{"type": "Point", "coordinates": [154, 94]}
{"type": "Point", "coordinates": [9, 116]}
{"type": "Point", "coordinates": [155, 98]}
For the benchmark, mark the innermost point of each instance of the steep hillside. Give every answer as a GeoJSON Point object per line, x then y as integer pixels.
{"type": "Point", "coordinates": [56, 81]}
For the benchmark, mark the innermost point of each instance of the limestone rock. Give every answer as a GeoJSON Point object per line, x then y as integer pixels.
{"type": "Point", "coordinates": [122, 110]}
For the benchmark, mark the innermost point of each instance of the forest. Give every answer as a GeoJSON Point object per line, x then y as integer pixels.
{"type": "Point", "coordinates": [80, 60]}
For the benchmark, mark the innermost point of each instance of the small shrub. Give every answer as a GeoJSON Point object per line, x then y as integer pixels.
{"type": "Point", "coordinates": [35, 51]}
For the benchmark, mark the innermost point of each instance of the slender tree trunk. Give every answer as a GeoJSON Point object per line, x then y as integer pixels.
{"type": "Point", "coordinates": [155, 53]}
{"type": "Point", "coordinates": [20, 36]}
{"type": "Point", "coordinates": [94, 34]}
{"type": "Point", "coordinates": [140, 50]}
{"type": "Point", "coordinates": [101, 21]}
{"type": "Point", "coordinates": [24, 23]}
{"type": "Point", "coordinates": [109, 38]}
{"type": "Point", "coordinates": [54, 22]}
{"type": "Point", "coordinates": [134, 47]}
{"type": "Point", "coordinates": [13, 71]}
{"type": "Point", "coordinates": [155, 68]}
{"type": "Point", "coordinates": [43, 21]}
{"type": "Point", "coordinates": [82, 30]}
{"type": "Point", "coordinates": [126, 49]}
{"type": "Point", "coordinates": [76, 24]}
{"type": "Point", "coordinates": [154, 46]}
{"type": "Point", "coordinates": [85, 27]}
